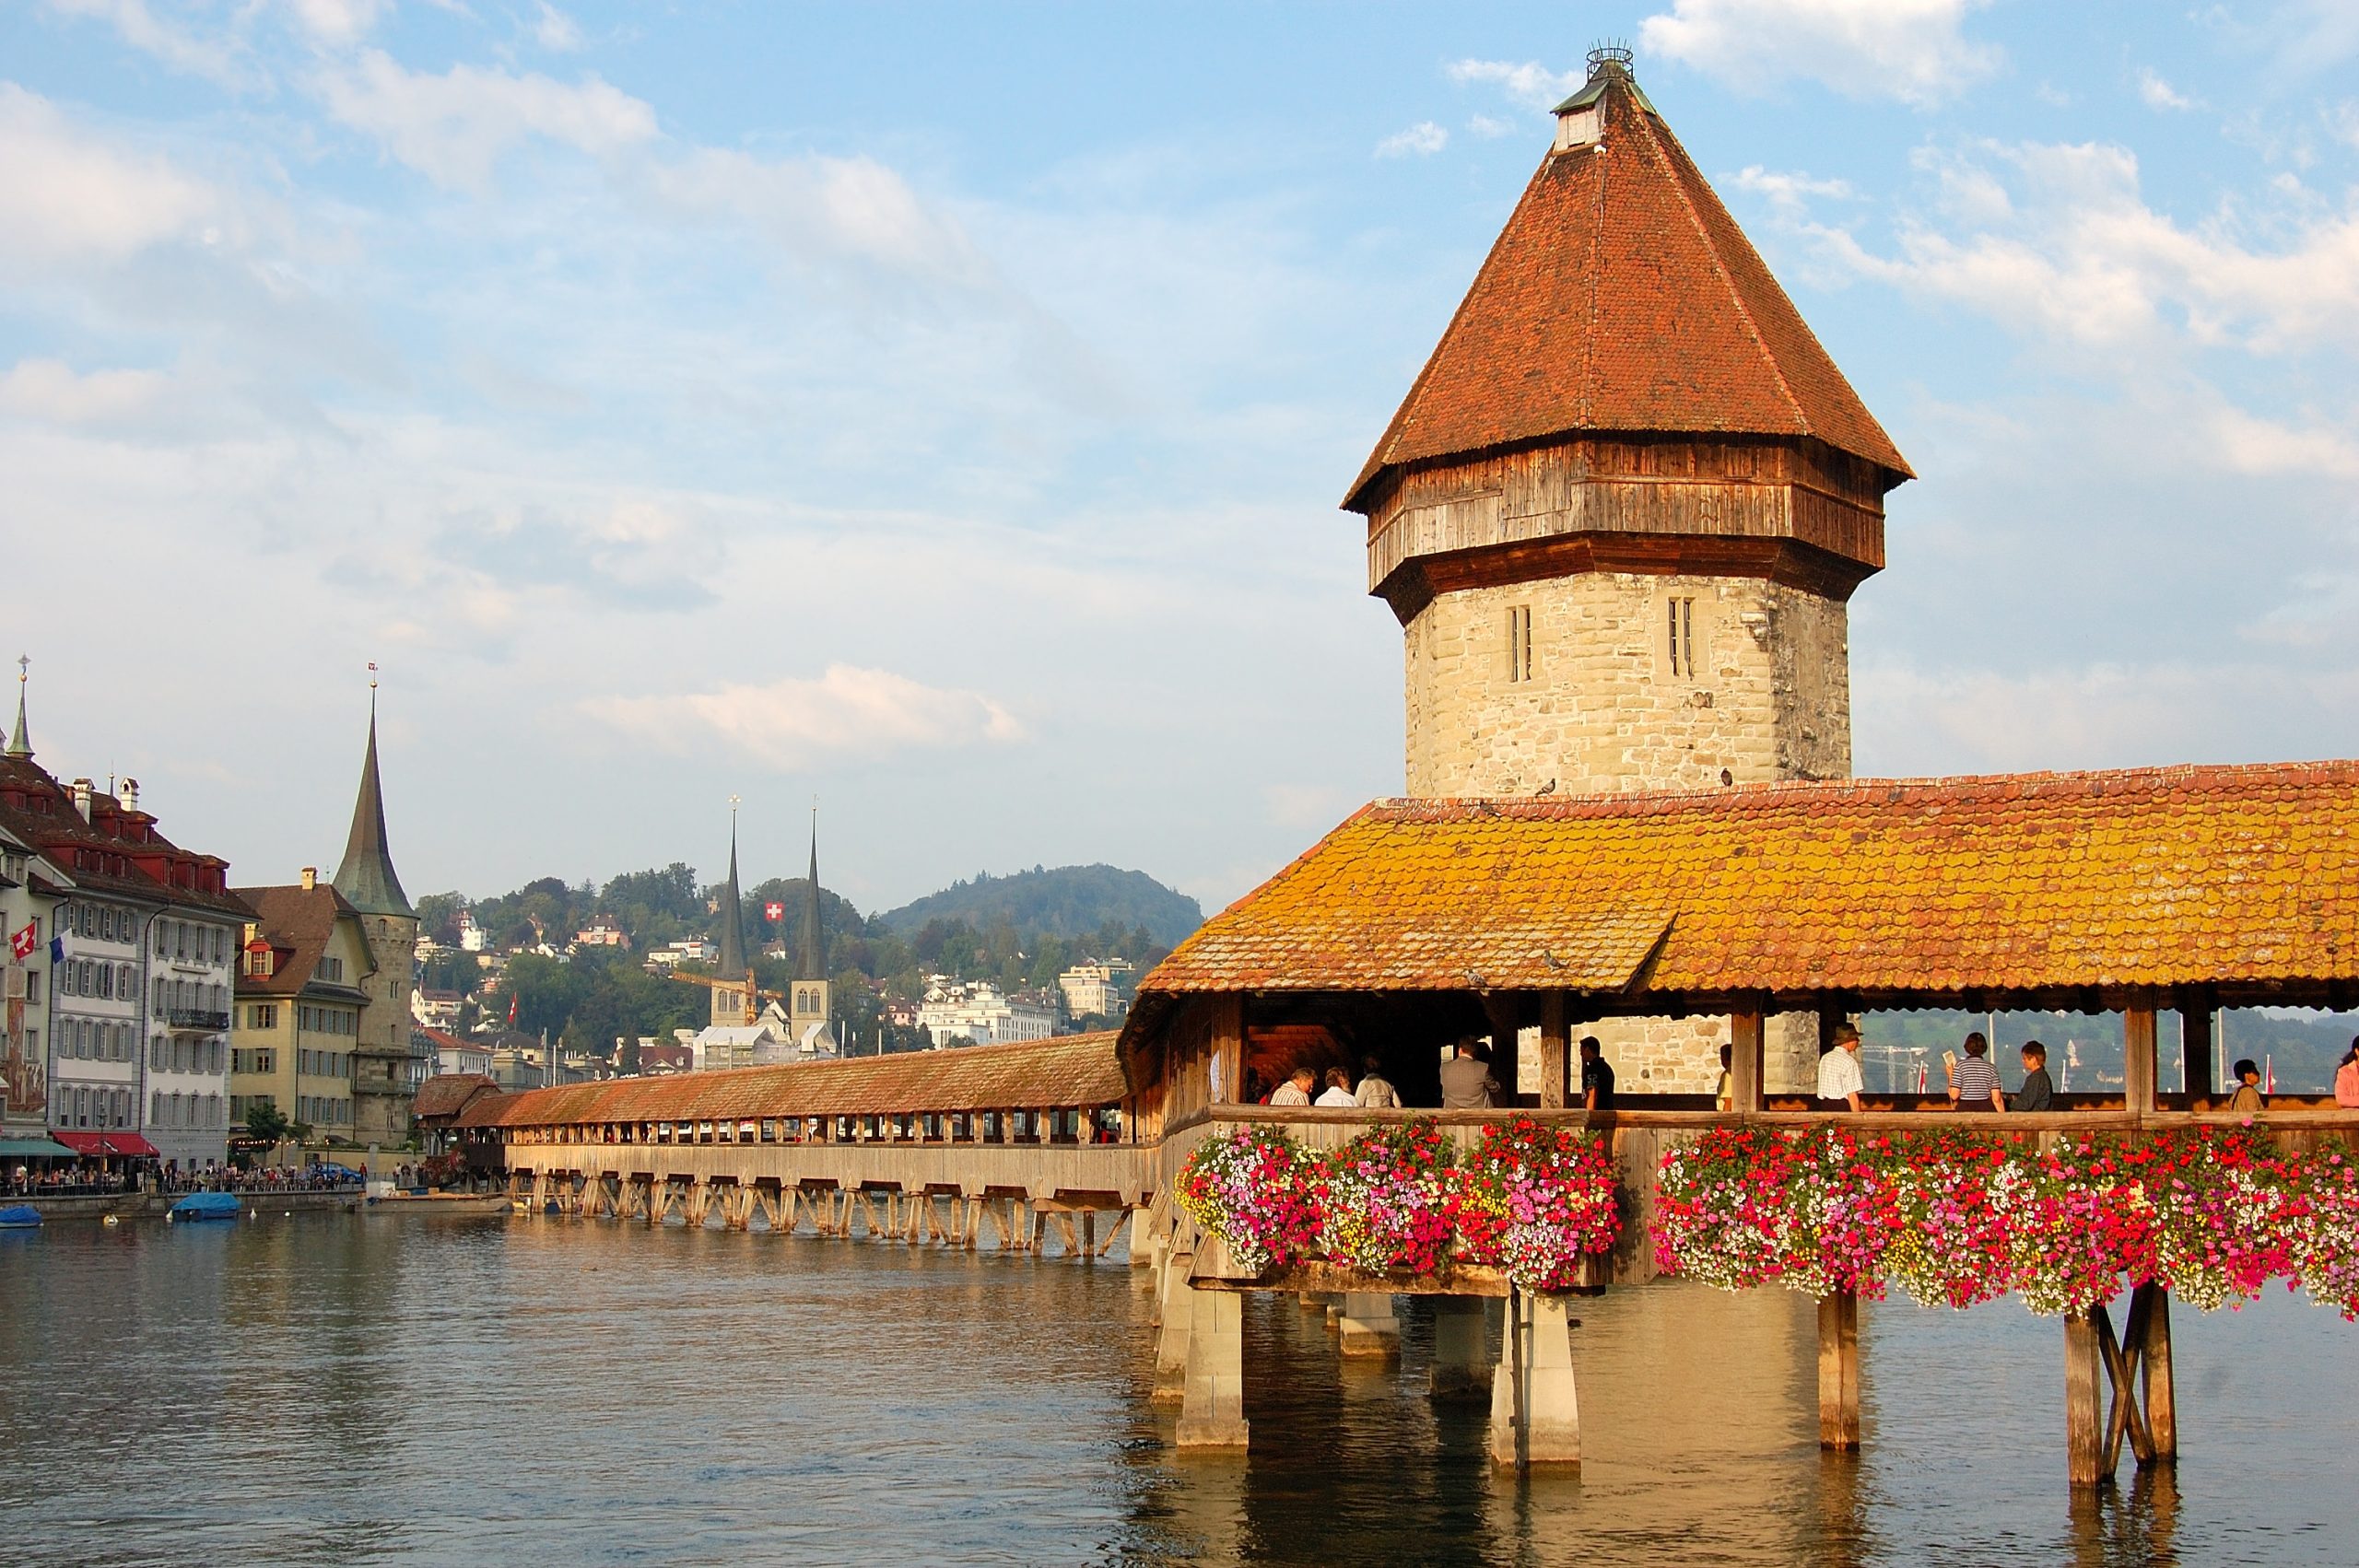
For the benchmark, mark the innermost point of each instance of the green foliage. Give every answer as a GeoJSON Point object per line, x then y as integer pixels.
{"type": "Point", "coordinates": [1076, 902]}
{"type": "Point", "coordinates": [268, 1123]}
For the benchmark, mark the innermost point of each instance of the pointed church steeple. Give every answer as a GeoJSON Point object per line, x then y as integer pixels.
{"type": "Point", "coordinates": [20, 742]}
{"type": "Point", "coordinates": [365, 878]}
{"type": "Point", "coordinates": [732, 964]}
{"type": "Point", "coordinates": [811, 962]}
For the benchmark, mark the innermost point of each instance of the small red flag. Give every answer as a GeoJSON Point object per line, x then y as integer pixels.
{"type": "Point", "coordinates": [512, 1007]}
{"type": "Point", "coordinates": [23, 943]}
{"type": "Point", "coordinates": [774, 910]}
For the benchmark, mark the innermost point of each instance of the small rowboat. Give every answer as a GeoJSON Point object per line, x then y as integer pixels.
{"type": "Point", "coordinates": [204, 1206]}
{"type": "Point", "coordinates": [19, 1217]}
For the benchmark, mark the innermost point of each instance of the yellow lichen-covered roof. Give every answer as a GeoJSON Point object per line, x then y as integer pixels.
{"type": "Point", "coordinates": [1055, 1074]}
{"type": "Point", "coordinates": [2144, 878]}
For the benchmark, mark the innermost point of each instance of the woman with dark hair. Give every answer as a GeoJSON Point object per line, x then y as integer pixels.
{"type": "Point", "coordinates": [2346, 1076]}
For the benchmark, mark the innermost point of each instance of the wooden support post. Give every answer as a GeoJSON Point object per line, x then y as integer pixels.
{"type": "Point", "coordinates": [1228, 1046]}
{"type": "Point", "coordinates": [2084, 1435]}
{"type": "Point", "coordinates": [1089, 1233]}
{"type": "Point", "coordinates": [1461, 1370]}
{"type": "Point", "coordinates": [1535, 1411]}
{"type": "Point", "coordinates": [1838, 1371]}
{"type": "Point", "coordinates": [1368, 1326]}
{"type": "Point", "coordinates": [1504, 1011]}
{"type": "Point", "coordinates": [2123, 1417]}
{"type": "Point", "coordinates": [2196, 1072]}
{"type": "Point", "coordinates": [2155, 1385]}
{"type": "Point", "coordinates": [1212, 1404]}
{"type": "Point", "coordinates": [1177, 1323]}
{"type": "Point", "coordinates": [1064, 1234]}
{"type": "Point", "coordinates": [1107, 1244]}
{"type": "Point", "coordinates": [1556, 1049]}
{"type": "Point", "coordinates": [2138, 1060]}
{"type": "Point", "coordinates": [1747, 1045]}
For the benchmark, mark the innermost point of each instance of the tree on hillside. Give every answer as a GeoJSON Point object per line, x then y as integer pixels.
{"type": "Point", "coordinates": [438, 917]}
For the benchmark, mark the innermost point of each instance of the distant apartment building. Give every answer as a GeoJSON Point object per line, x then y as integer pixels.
{"type": "Point", "coordinates": [696, 950]}
{"type": "Point", "coordinates": [131, 1035]}
{"type": "Point", "coordinates": [976, 1012]}
{"type": "Point", "coordinates": [1101, 989]}
{"type": "Point", "coordinates": [437, 1008]}
{"type": "Point", "coordinates": [457, 1054]}
{"type": "Point", "coordinates": [472, 937]}
{"type": "Point", "coordinates": [601, 932]}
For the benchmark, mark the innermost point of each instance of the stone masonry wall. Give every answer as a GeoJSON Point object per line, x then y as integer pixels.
{"type": "Point", "coordinates": [1762, 692]}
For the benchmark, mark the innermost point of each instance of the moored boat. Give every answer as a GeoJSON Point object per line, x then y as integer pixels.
{"type": "Point", "coordinates": [19, 1217]}
{"type": "Point", "coordinates": [204, 1206]}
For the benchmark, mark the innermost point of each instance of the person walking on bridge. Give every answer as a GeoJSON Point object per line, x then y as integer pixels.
{"type": "Point", "coordinates": [1338, 1094]}
{"type": "Point", "coordinates": [1974, 1082]}
{"type": "Point", "coordinates": [1840, 1083]}
{"type": "Point", "coordinates": [1296, 1090]}
{"type": "Point", "coordinates": [1376, 1091]}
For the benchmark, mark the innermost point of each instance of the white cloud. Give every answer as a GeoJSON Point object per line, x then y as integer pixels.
{"type": "Point", "coordinates": [1787, 191]}
{"type": "Point", "coordinates": [556, 31]}
{"type": "Point", "coordinates": [2059, 242]}
{"type": "Point", "coordinates": [1423, 139]}
{"type": "Point", "coordinates": [337, 22]}
{"type": "Point", "coordinates": [454, 127]}
{"type": "Point", "coordinates": [793, 724]}
{"type": "Point", "coordinates": [67, 197]}
{"type": "Point", "coordinates": [1915, 51]}
{"type": "Point", "coordinates": [2249, 444]}
{"type": "Point", "coordinates": [1528, 83]}
{"type": "Point", "coordinates": [2159, 95]}
{"type": "Point", "coordinates": [1484, 126]}
{"type": "Point", "coordinates": [218, 60]}
{"type": "Point", "coordinates": [48, 390]}
{"type": "Point", "coordinates": [849, 208]}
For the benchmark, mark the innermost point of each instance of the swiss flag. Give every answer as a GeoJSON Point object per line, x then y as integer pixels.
{"type": "Point", "coordinates": [774, 911]}
{"type": "Point", "coordinates": [22, 944]}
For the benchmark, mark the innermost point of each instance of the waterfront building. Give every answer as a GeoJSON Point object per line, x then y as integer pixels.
{"type": "Point", "coordinates": [29, 895]}
{"type": "Point", "coordinates": [303, 996]}
{"type": "Point", "coordinates": [141, 938]}
{"type": "Point", "coordinates": [1621, 510]}
{"type": "Point", "coordinates": [383, 1065]}
{"type": "Point", "coordinates": [1101, 990]}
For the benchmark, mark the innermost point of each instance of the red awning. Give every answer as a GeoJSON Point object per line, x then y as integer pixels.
{"type": "Point", "coordinates": [103, 1143]}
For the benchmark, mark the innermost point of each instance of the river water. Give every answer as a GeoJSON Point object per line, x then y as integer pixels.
{"type": "Point", "coordinates": [329, 1389]}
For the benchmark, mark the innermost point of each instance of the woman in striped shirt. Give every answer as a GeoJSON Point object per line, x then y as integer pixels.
{"type": "Point", "coordinates": [1974, 1082]}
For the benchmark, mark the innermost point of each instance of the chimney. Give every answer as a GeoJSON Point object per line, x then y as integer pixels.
{"type": "Point", "coordinates": [310, 878]}
{"type": "Point", "coordinates": [130, 795]}
{"type": "Point", "coordinates": [82, 798]}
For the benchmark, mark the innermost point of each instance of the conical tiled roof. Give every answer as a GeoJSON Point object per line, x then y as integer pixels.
{"type": "Point", "coordinates": [1623, 297]}
{"type": "Point", "coordinates": [365, 878]}
{"type": "Point", "coordinates": [731, 965]}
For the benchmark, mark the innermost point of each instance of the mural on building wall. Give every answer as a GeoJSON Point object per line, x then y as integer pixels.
{"type": "Point", "coordinates": [24, 1085]}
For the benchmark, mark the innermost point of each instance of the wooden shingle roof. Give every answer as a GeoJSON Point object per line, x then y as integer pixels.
{"type": "Point", "coordinates": [2231, 877]}
{"type": "Point", "coordinates": [1054, 1074]}
{"type": "Point", "coordinates": [1622, 297]}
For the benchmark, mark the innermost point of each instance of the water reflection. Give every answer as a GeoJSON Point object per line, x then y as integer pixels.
{"type": "Point", "coordinates": [334, 1389]}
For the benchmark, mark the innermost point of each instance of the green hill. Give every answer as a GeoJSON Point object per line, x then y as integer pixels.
{"type": "Point", "coordinates": [1070, 901]}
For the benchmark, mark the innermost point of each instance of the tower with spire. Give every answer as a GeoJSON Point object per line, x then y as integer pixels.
{"type": "Point", "coordinates": [382, 1054]}
{"type": "Point", "coordinates": [811, 996]}
{"type": "Point", "coordinates": [21, 740]}
{"type": "Point", "coordinates": [1621, 510]}
{"type": "Point", "coordinates": [735, 996]}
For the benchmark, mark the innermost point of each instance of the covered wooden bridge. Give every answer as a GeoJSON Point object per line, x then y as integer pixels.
{"type": "Point", "coordinates": [1418, 923]}
{"type": "Point", "coordinates": [1034, 1137]}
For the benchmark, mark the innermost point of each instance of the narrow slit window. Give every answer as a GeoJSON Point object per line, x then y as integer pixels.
{"type": "Point", "coordinates": [1680, 636]}
{"type": "Point", "coordinates": [1520, 643]}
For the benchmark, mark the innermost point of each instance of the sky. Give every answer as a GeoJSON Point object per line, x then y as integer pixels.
{"type": "Point", "coordinates": [941, 413]}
